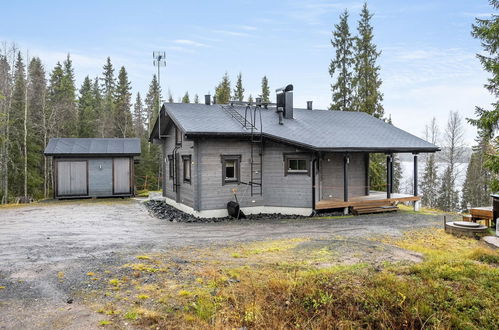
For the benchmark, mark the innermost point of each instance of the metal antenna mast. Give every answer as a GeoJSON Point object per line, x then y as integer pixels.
{"type": "Point", "coordinates": [159, 61]}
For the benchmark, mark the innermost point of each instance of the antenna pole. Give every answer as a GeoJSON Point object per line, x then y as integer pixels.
{"type": "Point", "coordinates": [159, 61]}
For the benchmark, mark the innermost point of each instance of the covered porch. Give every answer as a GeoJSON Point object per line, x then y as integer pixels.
{"type": "Point", "coordinates": [343, 182]}
{"type": "Point", "coordinates": [375, 198]}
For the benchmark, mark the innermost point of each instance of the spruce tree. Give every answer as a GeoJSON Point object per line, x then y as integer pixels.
{"type": "Point", "coordinates": [36, 132]}
{"type": "Point", "coordinates": [430, 182]}
{"type": "Point", "coordinates": [487, 30]}
{"type": "Point", "coordinates": [139, 117]}
{"type": "Point", "coordinates": [222, 91]}
{"type": "Point", "coordinates": [97, 105]}
{"type": "Point", "coordinates": [185, 98]}
{"type": "Point", "coordinates": [265, 90]}
{"type": "Point", "coordinates": [6, 83]}
{"type": "Point", "coordinates": [122, 116]}
{"type": "Point", "coordinates": [16, 126]}
{"type": "Point", "coordinates": [55, 102]}
{"type": "Point", "coordinates": [152, 102]}
{"type": "Point", "coordinates": [239, 90]}
{"type": "Point", "coordinates": [87, 119]}
{"type": "Point", "coordinates": [340, 67]}
{"type": "Point", "coordinates": [366, 80]}
{"type": "Point", "coordinates": [68, 98]}
{"type": "Point", "coordinates": [108, 88]}
{"type": "Point", "coordinates": [476, 190]}
{"type": "Point", "coordinates": [196, 98]}
{"type": "Point", "coordinates": [170, 97]}
{"type": "Point", "coordinates": [250, 99]}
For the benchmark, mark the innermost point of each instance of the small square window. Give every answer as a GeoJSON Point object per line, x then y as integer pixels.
{"type": "Point", "coordinates": [231, 168]}
{"type": "Point", "coordinates": [296, 164]}
{"type": "Point", "coordinates": [186, 161]}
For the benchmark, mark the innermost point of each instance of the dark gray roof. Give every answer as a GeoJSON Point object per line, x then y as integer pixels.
{"type": "Point", "coordinates": [314, 129]}
{"type": "Point", "coordinates": [93, 146]}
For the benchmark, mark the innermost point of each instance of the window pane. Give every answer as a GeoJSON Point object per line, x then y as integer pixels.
{"type": "Point", "coordinates": [298, 165]}
{"type": "Point", "coordinates": [230, 169]}
{"type": "Point", "coordinates": [187, 169]}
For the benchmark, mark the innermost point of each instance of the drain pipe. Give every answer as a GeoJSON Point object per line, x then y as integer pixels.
{"type": "Point", "coordinates": [174, 159]}
{"type": "Point", "coordinates": [314, 162]}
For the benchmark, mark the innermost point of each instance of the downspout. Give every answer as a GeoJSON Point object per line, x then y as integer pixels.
{"type": "Point", "coordinates": [314, 162]}
{"type": "Point", "coordinates": [174, 159]}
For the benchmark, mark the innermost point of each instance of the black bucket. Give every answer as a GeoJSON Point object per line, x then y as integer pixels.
{"type": "Point", "coordinates": [234, 210]}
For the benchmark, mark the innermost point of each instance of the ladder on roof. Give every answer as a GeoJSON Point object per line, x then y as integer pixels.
{"type": "Point", "coordinates": [249, 121]}
{"type": "Point", "coordinates": [256, 163]}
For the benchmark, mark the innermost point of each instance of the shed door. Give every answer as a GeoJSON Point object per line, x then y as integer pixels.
{"type": "Point", "coordinates": [72, 178]}
{"type": "Point", "coordinates": [121, 175]}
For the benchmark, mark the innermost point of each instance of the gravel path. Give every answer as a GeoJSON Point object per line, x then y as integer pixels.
{"type": "Point", "coordinates": [47, 249]}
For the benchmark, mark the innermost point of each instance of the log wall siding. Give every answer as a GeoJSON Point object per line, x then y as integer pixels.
{"type": "Point", "coordinates": [186, 190]}
{"type": "Point", "coordinates": [292, 190]}
{"type": "Point", "coordinates": [331, 175]}
{"type": "Point", "coordinates": [213, 193]}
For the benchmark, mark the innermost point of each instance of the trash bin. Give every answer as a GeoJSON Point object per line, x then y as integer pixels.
{"type": "Point", "coordinates": [495, 210]}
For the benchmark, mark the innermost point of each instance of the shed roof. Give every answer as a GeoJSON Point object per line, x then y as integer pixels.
{"type": "Point", "coordinates": [93, 146]}
{"type": "Point", "coordinates": [315, 129]}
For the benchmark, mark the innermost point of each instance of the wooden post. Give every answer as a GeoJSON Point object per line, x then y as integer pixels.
{"type": "Point", "coordinates": [388, 176]}
{"type": "Point", "coordinates": [366, 163]}
{"type": "Point", "coordinates": [415, 174]}
{"type": "Point", "coordinates": [345, 177]}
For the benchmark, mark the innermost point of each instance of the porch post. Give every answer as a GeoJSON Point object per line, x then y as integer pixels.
{"type": "Point", "coordinates": [417, 204]}
{"type": "Point", "coordinates": [415, 174]}
{"type": "Point", "coordinates": [388, 175]}
{"type": "Point", "coordinates": [366, 163]}
{"type": "Point", "coordinates": [346, 160]}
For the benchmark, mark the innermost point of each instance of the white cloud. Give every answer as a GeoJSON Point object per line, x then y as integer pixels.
{"type": "Point", "coordinates": [232, 33]}
{"type": "Point", "coordinates": [190, 43]}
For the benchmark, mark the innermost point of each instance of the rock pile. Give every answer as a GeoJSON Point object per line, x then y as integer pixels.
{"type": "Point", "coordinates": [161, 210]}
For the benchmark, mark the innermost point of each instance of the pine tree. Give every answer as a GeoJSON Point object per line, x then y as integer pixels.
{"type": "Point", "coordinates": [87, 118]}
{"type": "Point", "coordinates": [366, 79]}
{"type": "Point", "coordinates": [222, 91]}
{"type": "Point", "coordinates": [108, 93]}
{"type": "Point", "coordinates": [122, 116]}
{"type": "Point", "coordinates": [430, 182]}
{"type": "Point", "coordinates": [250, 99]}
{"type": "Point", "coordinates": [185, 98]}
{"type": "Point", "coordinates": [488, 120]}
{"type": "Point", "coordinates": [36, 138]}
{"type": "Point", "coordinates": [239, 90]}
{"type": "Point", "coordinates": [476, 190]}
{"type": "Point", "coordinates": [139, 117]}
{"type": "Point", "coordinates": [196, 99]}
{"type": "Point", "coordinates": [265, 90]}
{"type": "Point", "coordinates": [341, 66]}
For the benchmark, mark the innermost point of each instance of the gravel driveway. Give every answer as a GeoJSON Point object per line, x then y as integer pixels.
{"type": "Point", "coordinates": [46, 249]}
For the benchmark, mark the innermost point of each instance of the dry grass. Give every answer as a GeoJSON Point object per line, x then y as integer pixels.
{"type": "Point", "coordinates": [274, 284]}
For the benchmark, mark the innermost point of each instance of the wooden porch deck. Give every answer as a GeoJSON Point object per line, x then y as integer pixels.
{"type": "Point", "coordinates": [375, 198]}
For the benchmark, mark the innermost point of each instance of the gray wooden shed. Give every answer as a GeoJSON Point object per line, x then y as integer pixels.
{"type": "Point", "coordinates": [93, 167]}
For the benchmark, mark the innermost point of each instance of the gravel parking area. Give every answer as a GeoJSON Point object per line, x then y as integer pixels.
{"type": "Point", "coordinates": [46, 249]}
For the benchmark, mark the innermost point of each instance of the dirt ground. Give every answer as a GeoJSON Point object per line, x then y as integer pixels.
{"type": "Point", "coordinates": [47, 250]}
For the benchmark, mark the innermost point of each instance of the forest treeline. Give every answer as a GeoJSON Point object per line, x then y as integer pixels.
{"type": "Point", "coordinates": [36, 106]}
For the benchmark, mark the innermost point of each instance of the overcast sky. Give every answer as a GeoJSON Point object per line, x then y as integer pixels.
{"type": "Point", "coordinates": [428, 62]}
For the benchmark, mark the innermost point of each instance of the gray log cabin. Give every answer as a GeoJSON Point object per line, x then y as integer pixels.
{"type": "Point", "coordinates": [88, 167]}
{"type": "Point", "coordinates": [276, 158]}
